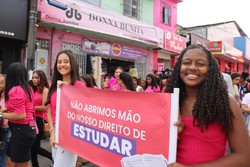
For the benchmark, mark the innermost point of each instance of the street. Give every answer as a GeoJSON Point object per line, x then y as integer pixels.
{"type": "Point", "coordinates": [44, 162]}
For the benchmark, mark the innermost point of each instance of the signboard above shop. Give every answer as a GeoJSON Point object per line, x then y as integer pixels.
{"type": "Point", "coordinates": [110, 49]}
{"type": "Point", "coordinates": [78, 14]}
{"type": "Point", "coordinates": [223, 48]}
{"type": "Point", "coordinates": [174, 43]}
{"type": "Point", "coordinates": [14, 19]}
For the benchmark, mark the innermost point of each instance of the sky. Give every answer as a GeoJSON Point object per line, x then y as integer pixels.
{"type": "Point", "coordinates": [201, 12]}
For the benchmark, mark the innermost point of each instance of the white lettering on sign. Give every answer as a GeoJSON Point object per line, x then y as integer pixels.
{"type": "Point", "coordinates": [2, 32]}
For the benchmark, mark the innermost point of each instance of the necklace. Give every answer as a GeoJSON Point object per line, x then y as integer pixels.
{"type": "Point", "coordinates": [67, 81]}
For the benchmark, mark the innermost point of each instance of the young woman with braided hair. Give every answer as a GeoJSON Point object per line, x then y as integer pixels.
{"type": "Point", "coordinates": [210, 115]}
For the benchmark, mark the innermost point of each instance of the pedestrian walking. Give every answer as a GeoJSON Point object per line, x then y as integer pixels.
{"type": "Point", "coordinates": [20, 113]}
{"type": "Point", "coordinates": [40, 86]}
{"type": "Point", "coordinates": [66, 71]}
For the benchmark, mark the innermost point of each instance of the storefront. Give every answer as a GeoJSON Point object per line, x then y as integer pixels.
{"type": "Point", "coordinates": [243, 44]}
{"type": "Point", "coordinates": [229, 58]}
{"type": "Point", "coordinates": [100, 39]}
{"type": "Point", "coordinates": [13, 32]}
{"type": "Point", "coordinates": [173, 46]}
{"type": "Point", "coordinates": [196, 39]}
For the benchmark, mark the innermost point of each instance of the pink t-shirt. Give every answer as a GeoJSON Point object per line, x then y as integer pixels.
{"type": "Point", "coordinates": [114, 83]}
{"type": "Point", "coordinates": [38, 99]}
{"type": "Point", "coordinates": [196, 147]}
{"type": "Point", "coordinates": [52, 104]}
{"type": "Point", "coordinates": [154, 89]}
{"type": "Point", "coordinates": [19, 103]}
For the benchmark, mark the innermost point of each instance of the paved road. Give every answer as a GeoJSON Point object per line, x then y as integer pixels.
{"type": "Point", "coordinates": [44, 162]}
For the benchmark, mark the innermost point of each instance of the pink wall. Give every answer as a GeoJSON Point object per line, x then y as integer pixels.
{"type": "Point", "coordinates": [158, 15]}
{"type": "Point", "coordinates": [240, 68]}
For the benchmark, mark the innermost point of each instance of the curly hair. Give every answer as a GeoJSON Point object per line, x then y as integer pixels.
{"type": "Point", "coordinates": [212, 101]}
{"type": "Point", "coordinates": [154, 83]}
{"type": "Point", "coordinates": [43, 81]}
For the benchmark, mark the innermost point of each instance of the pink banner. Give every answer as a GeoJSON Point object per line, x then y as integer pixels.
{"type": "Point", "coordinates": [174, 42]}
{"type": "Point", "coordinates": [75, 13]}
{"type": "Point", "coordinates": [104, 126]}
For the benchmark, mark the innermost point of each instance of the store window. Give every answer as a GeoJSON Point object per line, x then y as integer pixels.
{"type": "Point", "coordinates": [131, 8]}
{"type": "Point", "coordinates": [166, 15]}
{"type": "Point", "coordinates": [42, 43]}
{"type": "Point", "coordinates": [80, 56]}
{"type": "Point", "coordinates": [93, 2]}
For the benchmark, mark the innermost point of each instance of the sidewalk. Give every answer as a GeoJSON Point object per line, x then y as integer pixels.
{"type": "Point", "coordinates": [44, 162]}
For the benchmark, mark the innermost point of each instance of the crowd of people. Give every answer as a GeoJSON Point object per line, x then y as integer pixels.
{"type": "Point", "coordinates": [210, 118]}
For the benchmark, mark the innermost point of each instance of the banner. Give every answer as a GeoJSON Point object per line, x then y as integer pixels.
{"type": "Point", "coordinates": [78, 14]}
{"type": "Point", "coordinates": [104, 126]}
{"type": "Point", "coordinates": [110, 49]}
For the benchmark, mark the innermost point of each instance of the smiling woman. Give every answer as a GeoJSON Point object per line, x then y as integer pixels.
{"type": "Point", "coordinates": [65, 70]}
{"type": "Point", "coordinates": [211, 116]}
{"type": "Point", "coordinates": [194, 68]}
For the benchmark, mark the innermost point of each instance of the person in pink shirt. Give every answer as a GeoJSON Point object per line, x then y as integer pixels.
{"type": "Point", "coordinates": [210, 117]}
{"type": "Point", "coordinates": [113, 81]}
{"type": "Point", "coordinates": [41, 88]}
{"type": "Point", "coordinates": [151, 84]}
{"type": "Point", "coordinates": [19, 103]}
{"type": "Point", "coordinates": [66, 71]}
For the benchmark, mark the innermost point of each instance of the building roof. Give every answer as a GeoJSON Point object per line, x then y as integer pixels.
{"type": "Point", "coordinates": [242, 33]}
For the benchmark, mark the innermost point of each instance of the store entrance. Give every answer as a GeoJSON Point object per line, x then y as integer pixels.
{"type": "Point", "coordinates": [108, 64]}
{"type": "Point", "coordinates": [8, 55]}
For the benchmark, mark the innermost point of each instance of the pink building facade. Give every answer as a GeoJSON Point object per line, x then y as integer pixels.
{"type": "Point", "coordinates": [100, 39]}
{"type": "Point", "coordinates": [165, 17]}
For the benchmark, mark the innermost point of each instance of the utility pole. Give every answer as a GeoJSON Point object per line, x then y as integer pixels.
{"type": "Point", "coordinates": [31, 45]}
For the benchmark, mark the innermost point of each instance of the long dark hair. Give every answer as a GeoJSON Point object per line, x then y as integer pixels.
{"type": "Point", "coordinates": [154, 82]}
{"type": "Point", "coordinates": [212, 101]}
{"type": "Point", "coordinates": [163, 76]}
{"type": "Point", "coordinates": [74, 73]}
{"type": "Point", "coordinates": [127, 80]}
{"type": "Point", "coordinates": [88, 80]}
{"type": "Point", "coordinates": [17, 74]}
{"type": "Point", "coordinates": [43, 81]}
